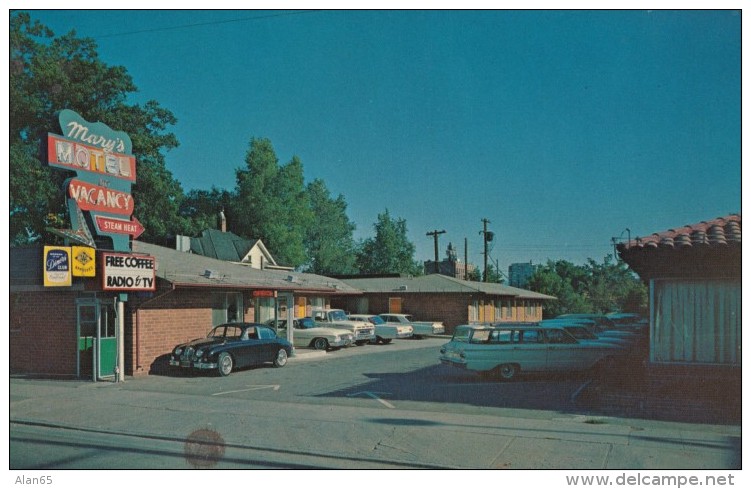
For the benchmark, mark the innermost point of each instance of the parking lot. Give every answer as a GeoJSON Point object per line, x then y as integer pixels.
{"type": "Point", "coordinates": [374, 406]}
{"type": "Point", "coordinates": [405, 374]}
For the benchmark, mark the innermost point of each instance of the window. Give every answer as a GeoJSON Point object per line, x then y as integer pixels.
{"type": "Point", "coordinates": [501, 336]}
{"type": "Point", "coordinates": [557, 336]}
{"type": "Point", "coordinates": [227, 308]}
{"type": "Point", "coordinates": [473, 311]}
{"type": "Point", "coordinates": [480, 336]}
{"type": "Point", "coordinates": [233, 332]}
{"type": "Point", "coordinates": [531, 337]}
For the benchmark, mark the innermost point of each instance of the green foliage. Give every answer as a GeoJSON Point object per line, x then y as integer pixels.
{"type": "Point", "coordinates": [48, 74]}
{"type": "Point", "coordinates": [271, 203]}
{"type": "Point", "coordinates": [390, 251]}
{"type": "Point", "coordinates": [591, 288]}
{"type": "Point", "coordinates": [329, 243]}
{"type": "Point", "coordinates": [202, 207]}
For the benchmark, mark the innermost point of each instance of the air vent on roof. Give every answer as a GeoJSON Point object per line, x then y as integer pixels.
{"type": "Point", "coordinates": [211, 274]}
{"type": "Point", "coordinates": [402, 287]}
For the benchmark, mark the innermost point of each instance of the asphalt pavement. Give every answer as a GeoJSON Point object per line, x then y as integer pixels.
{"type": "Point", "coordinates": [238, 433]}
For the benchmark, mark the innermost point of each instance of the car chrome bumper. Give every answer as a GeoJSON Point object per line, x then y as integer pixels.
{"type": "Point", "coordinates": [453, 363]}
{"type": "Point", "coordinates": [189, 364]}
{"type": "Point", "coordinates": [340, 343]}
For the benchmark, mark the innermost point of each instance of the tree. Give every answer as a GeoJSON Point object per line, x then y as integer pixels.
{"type": "Point", "coordinates": [549, 280]}
{"type": "Point", "coordinates": [611, 286]}
{"type": "Point", "coordinates": [49, 74]}
{"type": "Point", "coordinates": [591, 288]}
{"type": "Point", "coordinates": [329, 242]}
{"type": "Point", "coordinates": [271, 203]}
{"type": "Point", "coordinates": [390, 251]}
{"type": "Point", "coordinates": [202, 207]}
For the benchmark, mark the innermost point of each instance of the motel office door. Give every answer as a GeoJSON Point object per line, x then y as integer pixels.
{"type": "Point", "coordinates": [97, 338]}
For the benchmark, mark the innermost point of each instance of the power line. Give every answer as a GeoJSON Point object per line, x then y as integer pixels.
{"type": "Point", "coordinates": [202, 24]}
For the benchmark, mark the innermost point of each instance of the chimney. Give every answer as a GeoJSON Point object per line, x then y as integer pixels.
{"type": "Point", "coordinates": [222, 221]}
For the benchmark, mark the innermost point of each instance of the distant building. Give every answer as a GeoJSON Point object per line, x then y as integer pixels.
{"type": "Point", "coordinates": [227, 246]}
{"type": "Point", "coordinates": [437, 297]}
{"type": "Point", "coordinates": [451, 266]}
{"type": "Point", "coordinates": [519, 274]}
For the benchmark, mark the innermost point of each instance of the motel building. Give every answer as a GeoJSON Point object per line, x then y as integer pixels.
{"type": "Point", "coordinates": [75, 331]}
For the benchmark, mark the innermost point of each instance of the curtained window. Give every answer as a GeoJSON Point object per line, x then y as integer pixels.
{"type": "Point", "coordinates": [696, 321]}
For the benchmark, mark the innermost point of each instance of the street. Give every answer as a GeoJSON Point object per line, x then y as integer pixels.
{"type": "Point", "coordinates": [370, 407]}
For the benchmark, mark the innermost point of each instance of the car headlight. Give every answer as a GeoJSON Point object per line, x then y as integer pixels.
{"type": "Point", "coordinates": [199, 353]}
{"type": "Point", "coordinates": [178, 351]}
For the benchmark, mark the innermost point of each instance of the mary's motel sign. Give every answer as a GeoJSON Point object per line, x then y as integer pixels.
{"type": "Point", "coordinates": [105, 171]}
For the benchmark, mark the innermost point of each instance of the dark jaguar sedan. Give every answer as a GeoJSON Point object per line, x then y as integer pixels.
{"type": "Point", "coordinates": [233, 345]}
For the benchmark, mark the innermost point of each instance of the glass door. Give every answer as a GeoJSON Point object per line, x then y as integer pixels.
{"type": "Point", "coordinates": [97, 338]}
{"type": "Point", "coordinates": [107, 346]}
{"type": "Point", "coordinates": [88, 321]}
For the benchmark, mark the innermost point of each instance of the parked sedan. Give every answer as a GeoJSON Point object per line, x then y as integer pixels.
{"type": "Point", "coordinates": [419, 328]}
{"type": "Point", "coordinates": [507, 350]}
{"type": "Point", "coordinates": [307, 334]}
{"type": "Point", "coordinates": [385, 332]}
{"type": "Point", "coordinates": [230, 346]}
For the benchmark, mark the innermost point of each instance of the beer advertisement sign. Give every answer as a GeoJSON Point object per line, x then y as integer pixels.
{"type": "Point", "coordinates": [57, 272]}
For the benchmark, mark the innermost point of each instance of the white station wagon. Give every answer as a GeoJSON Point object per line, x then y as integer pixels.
{"type": "Point", "coordinates": [507, 350]}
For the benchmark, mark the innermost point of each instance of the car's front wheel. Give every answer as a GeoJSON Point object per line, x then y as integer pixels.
{"type": "Point", "coordinates": [281, 358]}
{"type": "Point", "coordinates": [321, 344]}
{"type": "Point", "coordinates": [385, 341]}
{"type": "Point", "coordinates": [225, 364]}
{"type": "Point", "coordinates": [508, 371]}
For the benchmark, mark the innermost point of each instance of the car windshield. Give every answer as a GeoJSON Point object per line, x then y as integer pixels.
{"type": "Point", "coordinates": [217, 332]}
{"type": "Point", "coordinates": [462, 335]}
{"type": "Point", "coordinates": [225, 331]}
{"type": "Point", "coordinates": [376, 320]}
{"type": "Point", "coordinates": [337, 316]}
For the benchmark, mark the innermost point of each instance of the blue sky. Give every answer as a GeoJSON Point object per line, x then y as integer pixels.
{"type": "Point", "coordinates": [563, 128]}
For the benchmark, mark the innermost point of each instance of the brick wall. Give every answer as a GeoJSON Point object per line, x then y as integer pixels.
{"type": "Point", "coordinates": [42, 334]}
{"type": "Point", "coordinates": [155, 326]}
{"type": "Point", "coordinates": [450, 309]}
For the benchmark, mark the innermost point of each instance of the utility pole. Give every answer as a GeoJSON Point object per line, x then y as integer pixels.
{"type": "Point", "coordinates": [486, 236]}
{"type": "Point", "coordinates": [466, 263]}
{"type": "Point", "coordinates": [435, 242]}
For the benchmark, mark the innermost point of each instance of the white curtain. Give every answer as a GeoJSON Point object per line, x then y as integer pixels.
{"type": "Point", "coordinates": [696, 321]}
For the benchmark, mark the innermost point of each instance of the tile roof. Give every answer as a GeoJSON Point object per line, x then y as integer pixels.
{"type": "Point", "coordinates": [436, 283]}
{"type": "Point", "coordinates": [717, 232]}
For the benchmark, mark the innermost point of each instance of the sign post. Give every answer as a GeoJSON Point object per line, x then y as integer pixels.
{"type": "Point", "coordinates": [105, 171]}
